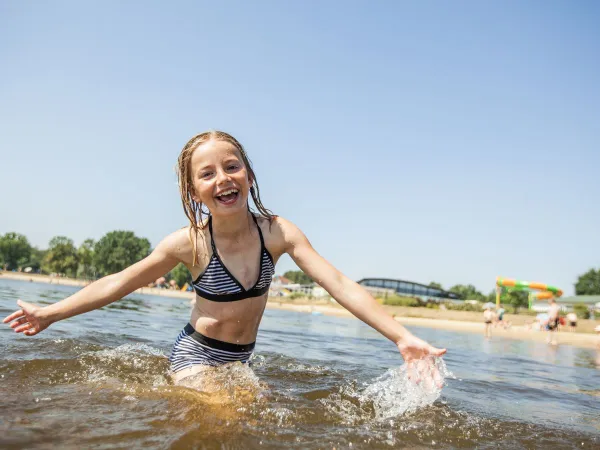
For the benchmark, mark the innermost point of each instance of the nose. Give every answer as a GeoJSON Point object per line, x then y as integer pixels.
{"type": "Point", "coordinates": [222, 176]}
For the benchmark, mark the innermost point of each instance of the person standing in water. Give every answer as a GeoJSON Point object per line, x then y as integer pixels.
{"type": "Point", "coordinates": [572, 319]}
{"type": "Point", "coordinates": [231, 255]}
{"type": "Point", "coordinates": [488, 317]}
{"type": "Point", "coordinates": [553, 321]}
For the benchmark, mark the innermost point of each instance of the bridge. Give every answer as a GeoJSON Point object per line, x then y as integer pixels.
{"type": "Point", "coordinates": [407, 288]}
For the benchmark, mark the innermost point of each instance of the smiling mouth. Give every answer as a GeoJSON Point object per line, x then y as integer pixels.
{"type": "Point", "coordinates": [228, 197]}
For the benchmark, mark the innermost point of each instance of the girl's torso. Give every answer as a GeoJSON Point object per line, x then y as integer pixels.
{"type": "Point", "coordinates": [237, 265]}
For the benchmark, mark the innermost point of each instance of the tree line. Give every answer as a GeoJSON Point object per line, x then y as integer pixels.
{"type": "Point", "coordinates": [112, 253]}
{"type": "Point", "coordinates": [587, 284]}
{"type": "Point", "coordinates": [119, 249]}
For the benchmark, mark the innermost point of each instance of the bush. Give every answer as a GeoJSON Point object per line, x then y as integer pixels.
{"type": "Point", "coordinates": [395, 300]}
{"type": "Point", "coordinates": [521, 311]}
{"type": "Point", "coordinates": [582, 310]}
{"type": "Point", "coordinates": [464, 307]}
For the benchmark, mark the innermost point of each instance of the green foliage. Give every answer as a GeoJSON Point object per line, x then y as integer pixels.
{"type": "Point", "coordinates": [396, 300]}
{"type": "Point", "coordinates": [516, 298]}
{"type": "Point", "coordinates": [436, 285]}
{"type": "Point", "coordinates": [463, 306]}
{"type": "Point", "coordinates": [15, 251]}
{"type": "Point", "coordinates": [582, 310]}
{"type": "Point", "coordinates": [61, 256]}
{"type": "Point", "coordinates": [36, 259]}
{"type": "Point", "coordinates": [297, 276]}
{"type": "Point", "coordinates": [468, 292]}
{"type": "Point", "coordinates": [295, 295]}
{"type": "Point", "coordinates": [118, 250]}
{"type": "Point", "coordinates": [180, 274]}
{"type": "Point", "coordinates": [588, 283]}
{"type": "Point", "coordinates": [85, 255]}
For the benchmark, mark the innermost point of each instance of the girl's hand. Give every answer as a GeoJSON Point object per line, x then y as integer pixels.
{"type": "Point", "coordinates": [419, 357]}
{"type": "Point", "coordinates": [28, 320]}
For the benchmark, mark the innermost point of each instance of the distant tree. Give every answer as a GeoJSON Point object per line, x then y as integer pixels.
{"type": "Point", "coordinates": [468, 292]}
{"type": "Point", "coordinates": [588, 283]}
{"type": "Point", "coordinates": [297, 276]}
{"type": "Point", "coordinates": [180, 274]}
{"type": "Point", "coordinates": [491, 297]}
{"type": "Point", "coordinates": [15, 251]}
{"type": "Point", "coordinates": [85, 255]}
{"type": "Point", "coordinates": [118, 250]}
{"type": "Point", "coordinates": [436, 285]}
{"type": "Point", "coordinates": [516, 298]}
{"type": "Point", "coordinates": [61, 256]}
{"type": "Point", "coordinates": [36, 259]}
{"type": "Point", "coordinates": [582, 310]}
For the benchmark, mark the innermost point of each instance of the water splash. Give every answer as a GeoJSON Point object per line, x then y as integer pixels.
{"type": "Point", "coordinates": [406, 389]}
{"type": "Point", "coordinates": [126, 363]}
{"type": "Point", "coordinates": [232, 386]}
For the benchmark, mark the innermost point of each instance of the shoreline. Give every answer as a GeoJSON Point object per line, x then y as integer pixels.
{"type": "Point", "coordinates": [63, 281]}
{"type": "Point", "coordinates": [582, 340]}
{"type": "Point", "coordinates": [457, 321]}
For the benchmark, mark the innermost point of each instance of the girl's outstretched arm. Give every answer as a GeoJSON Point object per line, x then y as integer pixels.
{"type": "Point", "coordinates": [351, 295]}
{"type": "Point", "coordinates": [31, 319]}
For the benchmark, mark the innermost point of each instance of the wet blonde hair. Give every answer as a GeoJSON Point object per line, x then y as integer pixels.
{"type": "Point", "coordinates": [193, 209]}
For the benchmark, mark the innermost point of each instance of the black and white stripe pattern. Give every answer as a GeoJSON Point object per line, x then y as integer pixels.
{"type": "Point", "coordinates": [216, 283]}
{"type": "Point", "coordinates": [267, 270]}
{"type": "Point", "coordinates": [215, 280]}
{"type": "Point", "coordinates": [188, 351]}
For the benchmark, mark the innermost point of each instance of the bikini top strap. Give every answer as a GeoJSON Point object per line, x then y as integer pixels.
{"type": "Point", "coordinates": [262, 240]}
{"type": "Point", "coordinates": [212, 240]}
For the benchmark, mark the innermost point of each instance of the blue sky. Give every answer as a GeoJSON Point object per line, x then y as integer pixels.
{"type": "Point", "coordinates": [415, 140]}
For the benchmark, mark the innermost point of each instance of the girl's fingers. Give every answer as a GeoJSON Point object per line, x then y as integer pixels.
{"type": "Point", "coordinates": [19, 321]}
{"type": "Point", "coordinates": [437, 351]}
{"type": "Point", "coordinates": [23, 327]}
{"type": "Point", "coordinates": [21, 303]}
{"type": "Point", "coordinates": [13, 316]}
{"type": "Point", "coordinates": [31, 332]}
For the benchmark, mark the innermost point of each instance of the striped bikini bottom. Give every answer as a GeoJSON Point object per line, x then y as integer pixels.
{"type": "Point", "coordinates": [192, 348]}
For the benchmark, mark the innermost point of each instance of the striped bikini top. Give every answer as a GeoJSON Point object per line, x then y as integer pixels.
{"type": "Point", "coordinates": [216, 283]}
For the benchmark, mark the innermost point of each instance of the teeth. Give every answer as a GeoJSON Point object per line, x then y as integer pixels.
{"type": "Point", "coordinates": [228, 191]}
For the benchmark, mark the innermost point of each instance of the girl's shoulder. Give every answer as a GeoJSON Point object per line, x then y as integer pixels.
{"type": "Point", "coordinates": [275, 226]}
{"type": "Point", "coordinates": [279, 232]}
{"type": "Point", "coordinates": [184, 242]}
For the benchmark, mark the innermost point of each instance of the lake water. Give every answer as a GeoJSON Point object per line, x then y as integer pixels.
{"type": "Point", "coordinates": [100, 381]}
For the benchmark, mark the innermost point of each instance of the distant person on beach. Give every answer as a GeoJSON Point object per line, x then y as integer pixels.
{"type": "Point", "coordinates": [553, 321]}
{"type": "Point", "coordinates": [572, 319]}
{"type": "Point", "coordinates": [500, 318]}
{"type": "Point", "coordinates": [231, 252]}
{"type": "Point", "coordinates": [488, 317]}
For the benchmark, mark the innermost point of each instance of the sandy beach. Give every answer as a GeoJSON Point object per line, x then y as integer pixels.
{"type": "Point", "coordinates": [461, 321]}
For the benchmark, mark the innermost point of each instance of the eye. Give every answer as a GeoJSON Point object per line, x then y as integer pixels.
{"type": "Point", "coordinates": [206, 175]}
{"type": "Point", "coordinates": [232, 166]}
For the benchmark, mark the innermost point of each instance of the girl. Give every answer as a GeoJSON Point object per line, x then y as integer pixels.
{"type": "Point", "coordinates": [231, 255]}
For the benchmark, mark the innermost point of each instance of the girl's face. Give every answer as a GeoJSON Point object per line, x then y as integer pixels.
{"type": "Point", "coordinates": [220, 178]}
